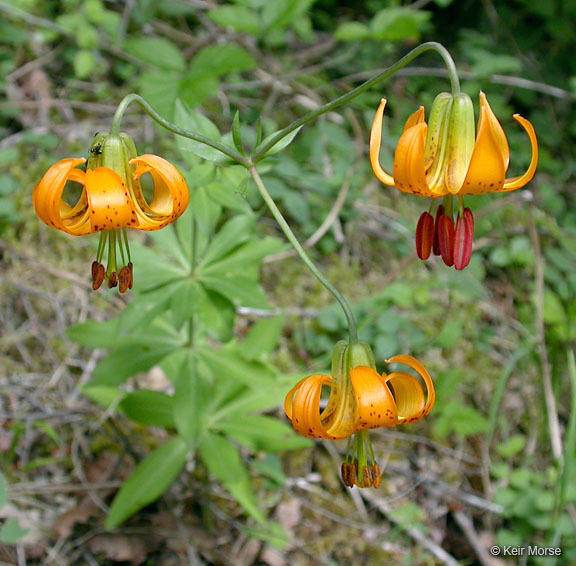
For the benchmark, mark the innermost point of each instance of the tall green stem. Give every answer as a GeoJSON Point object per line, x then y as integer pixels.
{"type": "Point", "coordinates": [304, 256]}
{"type": "Point", "coordinates": [430, 46]}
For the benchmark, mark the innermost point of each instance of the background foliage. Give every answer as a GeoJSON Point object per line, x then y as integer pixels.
{"type": "Point", "coordinates": [183, 380]}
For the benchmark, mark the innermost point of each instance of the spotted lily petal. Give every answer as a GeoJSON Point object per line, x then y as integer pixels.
{"type": "Point", "coordinates": [409, 396]}
{"type": "Point", "coordinates": [409, 173]}
{"type": "Point", "coordinates": [410, 405]}
{"type": "Point", "coordinates": [487, 167]}
{"type": "Point", "coordinates": [170, 197]}
{"type": "Point", "coordinates": [110, 204]}
{"type": "Point", "coordinates": [376, 405]}
{"type": "Point", "coordinates": [47, 198]}
{"type": "Point", "coordinates": [302, 407]}
{"type": "Point", "coordinates": [496, 127]}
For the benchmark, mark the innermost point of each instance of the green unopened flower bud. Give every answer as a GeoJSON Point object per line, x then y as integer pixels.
{"type": "Point", "coordinates": [449, 142]}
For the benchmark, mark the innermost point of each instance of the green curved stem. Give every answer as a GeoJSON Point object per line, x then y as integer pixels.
{"type": "Point", "coordinates": [303, 255]}
{"type": "Point", "coordinates": [129, 99]}
{"type": "Point", "coordinates": [261, 151]}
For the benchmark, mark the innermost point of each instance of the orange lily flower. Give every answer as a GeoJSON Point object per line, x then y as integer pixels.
{"type": "Point", "coordinates": [360, 399]}
{"type": "Point", "coordinates": [111, 200]}
{"type": "Point", "coordinates": [443, 159]}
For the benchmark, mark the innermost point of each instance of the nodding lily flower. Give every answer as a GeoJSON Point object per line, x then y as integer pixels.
{"type": "Point", "coordinates": [444, 159]}
{"type": "Point", "coordinates": [111, 200]}
{"type": "Point", "coordinates": [360, 399]}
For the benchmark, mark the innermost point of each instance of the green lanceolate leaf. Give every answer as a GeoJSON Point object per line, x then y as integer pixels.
{"type": "Point", "coordinates": [205, 214]}
{"type": "Point", "coordinates": [223, 461]}
{"type": "Point", "coordinates": [149, 407]}
{"type": "Point", "coordinates": [229, 364]}
{"type": "Point", "coordinates": [263, 433]}
{"type": "Point", "coordinates": [126, 362]}
{"type": "Point", "coordinates": [215, 316]}
{"type": "Point", "coordinates": [156, 51]}
{"type": "Point", "coordinates": [151, 478]}
{"type": "Point", "coordinates": [167, 239]}
{"type": "Point", "coordinates": [219, 60]}
{"type": "Point", "coordinates": [192, 401]}
{"type": "Point", "coordinates": [263, 338]}
{"type": "Point", "coordinates": [238, 230]}
{"type": "Point", "coordinates": [240, 18]}
{"type": "Point", "coordinates": [152, 270]}
{"type": "Point", "coordinates": [245, 256]}
{"type": "Point", "coordinates": [105, 395]}
{"type": "Point", "coordinates": [254, 400]}
{"type": "Point", "coordinates": [236, 133]}
{"type": "Point", "coordinates": [281, 144]}
{"type": "Point", "coordinates": [198, 123]}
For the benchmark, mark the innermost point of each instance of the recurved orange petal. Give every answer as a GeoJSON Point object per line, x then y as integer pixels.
{"type": "Point", "coordinates": [415, 118]}
{"type": "Point", "coordinates": [409, 173]}
{"type": "Point", "coordinates": [302, 407]}
{"type": "Point", "coordinates": [109, 201]}
{"type": "Point", "coordinates": [376, 405]}
{"type": "Point", "coordinates": [409, 396]}
{"type": "Point", "coordinates": [374, 145]}
{"type": "Point", "coordinates": [408, 391]}
{"type": "Point", "coordinates": [497, 130]}
{"type": "Point", "coordinates": [48, 203]}
{"type": "Point", "coordinates": [487, 167]}
{"type": "Point", "coordinates": [518, 182]}
{"type": "Point", "coordinates": [170, 197]}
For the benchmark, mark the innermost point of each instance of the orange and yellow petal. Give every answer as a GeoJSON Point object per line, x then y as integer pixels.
{"type": "Point", "coordinates": [48, 203]}
{"type": "Point", "coordinates": [109, 201]}
{"type": "Point", "coordinates": [302, 407]}
{"type": "Point", "coordinates": [414, 119]}
{"type": "Point", "coordinates": [170, 197]}
{"type": "Point", "coordinates": [374, 146]}
{"type": "Point", "coordinates": [518, 182]}
{"type": "Point", "coordinates": [409, 393]}
{"type": "Point", "coordinates": [496, 127]}
{"type": "Point", "coordinates": [487, 167]}
{"type": "Point", "coordinates": [409, 173]}
{"type": "Point", "coordinates": [409, 396]}
{"type": "Point", "coordinates": [376, 405]}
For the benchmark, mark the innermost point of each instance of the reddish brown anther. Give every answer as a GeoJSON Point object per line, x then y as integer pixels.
{"type": "Point", "coordinates": [436, 244]}
{"type": "Point", "coordinates": [346, 475]}
{"type": "Point", "coordinates": [366, 480]}
{"type": "Point", "coordinates": [424, 235]}
{"type": "Point", "coordinates": [98, 275]}
{"type": "Point", "coordinates": [112, 280]}
{"type": "Point", "coordinates": [446, 239]}
{"type": "Point", "coordinates": [376, 476]}
{"type": "Point", "coordinates": [131, 272]}
{"type": "Point", "coordinates": [463, 239]}
{"type": "Point", "coordinates": [125, 278]}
